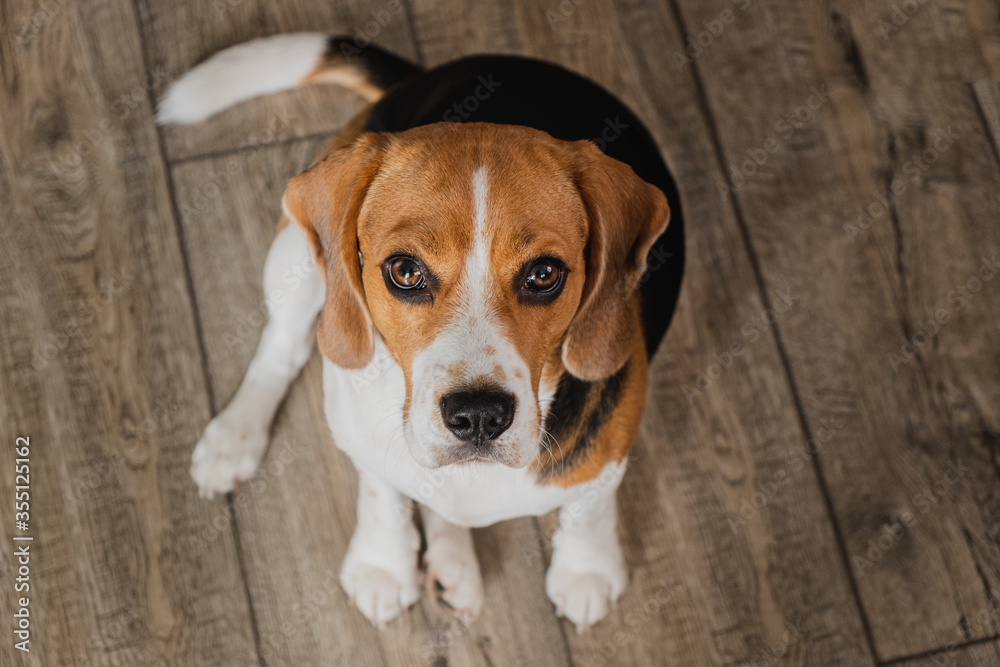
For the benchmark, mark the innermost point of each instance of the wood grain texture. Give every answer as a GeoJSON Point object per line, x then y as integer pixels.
{"type": "Point", "coordinates": [980, 655]}
{"type": "Point", "coordinates": [296, 516]}
{"type": "Point", "coordinates": [760, 512]}
{"type": "Point", "coordinates": [181, 33]}
{"type": "Point", "coordinates": [100, 362]}
{"type": "Point", "coordinates": [709, 594]}
{"type": "Point", "coordinates": [874, 237]}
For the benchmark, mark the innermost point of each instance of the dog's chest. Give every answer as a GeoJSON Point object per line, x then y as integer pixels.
{"type": "Point", "coordinates": [363, 409]}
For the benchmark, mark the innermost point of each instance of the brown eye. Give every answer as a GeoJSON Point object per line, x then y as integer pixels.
{"type": "Point", "coordinates": [406, 274]}
{"type": "Point", "coordinates": [543, 276]}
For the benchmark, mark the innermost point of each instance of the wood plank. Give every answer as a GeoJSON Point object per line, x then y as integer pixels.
{"type": "Point", "coordinates": [181, 33]}
{"type": "Point", "coordinates": [100, 362]}
{"type": "Point", "coordinates": [296, 517]}
{"type": "Point", "coordinates": [701, 593]}
{"type": "Point", "coordinates": [981, 655]}
{"type": "Point", "coordinates": [917, 532]}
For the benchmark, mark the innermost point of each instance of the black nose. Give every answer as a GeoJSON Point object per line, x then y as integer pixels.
{"type": "Point", "coordinates": [477, 416]}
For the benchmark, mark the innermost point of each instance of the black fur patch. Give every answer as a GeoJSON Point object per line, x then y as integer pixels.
{"type": "Point", "coordinates": [381, 68]}
{"type": "Point", "coordinates": [580, 409]}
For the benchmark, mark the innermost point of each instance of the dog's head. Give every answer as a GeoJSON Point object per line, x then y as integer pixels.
{"type": "Point", "coordinates": [489, 259]}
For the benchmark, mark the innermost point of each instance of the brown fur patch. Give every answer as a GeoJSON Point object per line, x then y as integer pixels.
{"type": "Point", "coordinates": [422, 205]}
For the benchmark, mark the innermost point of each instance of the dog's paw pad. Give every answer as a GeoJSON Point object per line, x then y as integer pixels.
{"type": "Point", "coordinates": [584, 598]}
{"type": "Point", "coordinates": [377, 593]}
{"type": "Point", "coordinates": [227, 453]}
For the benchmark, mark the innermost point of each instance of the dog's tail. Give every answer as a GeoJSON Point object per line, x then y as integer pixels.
{"type": "Point", "coordinates": [277, 63]}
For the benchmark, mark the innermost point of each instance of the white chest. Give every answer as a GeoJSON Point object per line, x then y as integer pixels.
{"type": "Point", "coordinates": [364, 411]}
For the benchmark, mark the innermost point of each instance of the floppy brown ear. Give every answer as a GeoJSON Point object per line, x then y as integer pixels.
{"type": "Point", "coordinates": [626, 216]}
{"type": "Point", "coordinates": [324, 200]}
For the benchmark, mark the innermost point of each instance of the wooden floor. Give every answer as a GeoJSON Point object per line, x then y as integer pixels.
{"type": "Point", "coordinates": [828, 496]}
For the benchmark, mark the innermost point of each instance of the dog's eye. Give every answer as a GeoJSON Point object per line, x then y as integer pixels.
{"type": "Point", "coordinates": [541, 280]}
{"type": "Point", "coordinates": [406, 274]}
{"type": "Point", "coordinates": [542, 276]}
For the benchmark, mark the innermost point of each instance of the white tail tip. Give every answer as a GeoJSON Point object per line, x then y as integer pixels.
{"type": "Point", "coordinates": [239, 73]}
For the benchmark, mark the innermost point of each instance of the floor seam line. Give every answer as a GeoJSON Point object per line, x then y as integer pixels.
{"type": "Point", "coordinates": [779, 344]}
{"type": "Point", "coordinates": [196, 314]}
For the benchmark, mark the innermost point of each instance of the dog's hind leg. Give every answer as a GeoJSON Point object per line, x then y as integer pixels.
{"type": "Point", "coordinates": [234, 441]}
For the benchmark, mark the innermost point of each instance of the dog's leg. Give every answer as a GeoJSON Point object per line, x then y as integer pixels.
{"type": "Point", "coordinates": [451, 562]}
{"type": "Point", "coordinates": [587, 574]}
{"type": "Point", "coordinates": [234, 441]}
{"type": "Point", "coordinates": [379, 571]}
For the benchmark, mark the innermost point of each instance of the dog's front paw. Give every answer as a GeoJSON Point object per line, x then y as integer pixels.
{"type": "Point", "coordinates": [380, 591]}
{"type": "Point", "coordinates": [584, 597]}
{"type": "Point", "coordinates": [229, 451]}
{"type": "Point", "coordinates": [453, 576]}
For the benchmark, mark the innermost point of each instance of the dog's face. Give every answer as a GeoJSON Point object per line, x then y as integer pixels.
{"type": "Point", "coordinates": [489, 259]}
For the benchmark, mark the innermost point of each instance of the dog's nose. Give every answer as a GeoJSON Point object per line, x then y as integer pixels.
{"type": "Point", "coordinates": [477, 416]}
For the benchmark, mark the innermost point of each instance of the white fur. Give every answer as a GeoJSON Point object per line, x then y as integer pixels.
{"type": "Point", "coordinates": [472, 330]}
{"type": "Point", "coordinates": [587, 573]}
{"type": "Point", "coordinates": [379, 571]}
{"type": "Point", "coordinates": [239, 73]}
{"type": "Point", "coordinates": [364, 411]}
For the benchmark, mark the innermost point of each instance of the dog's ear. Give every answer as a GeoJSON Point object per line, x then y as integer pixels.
{"type": "Point", "coordinates": [626, 216]}
{"type": "Point", "coordinates": [324, 200]}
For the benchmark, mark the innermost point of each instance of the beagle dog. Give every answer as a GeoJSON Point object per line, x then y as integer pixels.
{"type": "Point", "coordinates": [491, 269]}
